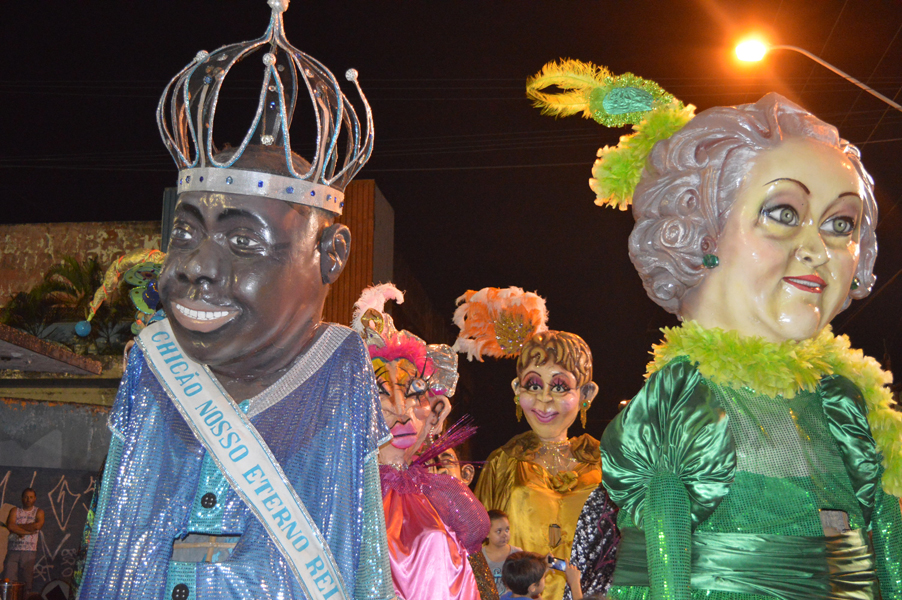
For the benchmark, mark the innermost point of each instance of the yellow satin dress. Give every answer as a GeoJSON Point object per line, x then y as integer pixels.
{"type": "Point", "coordinates": [534, 499]}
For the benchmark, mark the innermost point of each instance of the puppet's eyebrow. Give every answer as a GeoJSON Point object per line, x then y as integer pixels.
{"type": "Point", "coordinates": [854, 194]}
{"type": "Point", "coordinates": [795, 181]}
{"type": "Point", "coordinates": [192, 210]}
{"type": "Point", "coordinates": [240, 213]}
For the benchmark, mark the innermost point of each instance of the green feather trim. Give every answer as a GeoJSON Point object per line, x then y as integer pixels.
{"type": "Point", "coordinates": [618, 169]}
{"type": "Point", "coordinates": [782, 369]}
{"type": "Point", "coordinates": [613, 101]}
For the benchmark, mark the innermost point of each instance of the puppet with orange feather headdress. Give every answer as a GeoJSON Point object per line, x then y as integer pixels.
{"type": "Point", "coordinates": [540, 478]}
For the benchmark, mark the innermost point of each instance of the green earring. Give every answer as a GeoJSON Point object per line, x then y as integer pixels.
{"type": "Point", "coordinates": [710, 261]}
{"type": "Point", "coordinates": [855, 284]}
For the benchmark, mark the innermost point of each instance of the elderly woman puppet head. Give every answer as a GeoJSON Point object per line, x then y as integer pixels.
{"type": "Point", "coordinates": [415, 379]}
{"type": "Point", "coordinates": [554, 368]}
{"type": "Point", "coordinates": [756, 218]}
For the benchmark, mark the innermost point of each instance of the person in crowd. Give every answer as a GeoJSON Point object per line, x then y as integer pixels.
{"type": "Point", "coordinates": [497, 547]}
{"type": "Point", "coordinates": [524, 576]}
{"type": "Point", "coordinates": [23, 523]}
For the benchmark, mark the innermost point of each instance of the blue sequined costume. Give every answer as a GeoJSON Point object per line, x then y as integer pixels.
{"type": "Point", "coordinates": [323, 423]}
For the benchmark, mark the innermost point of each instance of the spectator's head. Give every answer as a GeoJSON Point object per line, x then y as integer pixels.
{"type": "Point", "coordinates": [500, 532]}
{"type": "Point", "coordinates": [28, 498]}
{"type": "Point", "coordinates": [523, 573]}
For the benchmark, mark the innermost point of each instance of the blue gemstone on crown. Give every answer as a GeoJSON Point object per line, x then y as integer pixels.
{"type": "Point", "coordinates": [229, 180]}
{"type": "Point", "coordinates": [201, 179]}
{"type": "Point", "coordinates": [313, 192]}
{"type": "Point", "coordinates": [188, 179]}
{"type": "Point", "coordinates": [208, 80]}
{"type": "Point", "coordinates": [289, 189]}
{"type": "Point", "coordinates": [259, 184]}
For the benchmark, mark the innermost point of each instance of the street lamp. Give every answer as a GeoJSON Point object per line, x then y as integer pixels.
{"type": "Point", "coordinates": [754, 50]}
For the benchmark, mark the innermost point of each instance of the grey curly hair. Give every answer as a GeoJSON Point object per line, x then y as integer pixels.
{"type": "Point", "coordinates": [691, 179]}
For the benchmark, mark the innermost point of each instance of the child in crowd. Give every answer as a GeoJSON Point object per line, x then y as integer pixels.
{"type": "Point", "coordinates": [524, 573]}
{"type": "Point", "coordinates": [498, 547]}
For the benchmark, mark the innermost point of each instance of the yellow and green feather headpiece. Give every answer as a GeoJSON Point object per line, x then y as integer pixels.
{"type": "Point", "coordinates": [613, 101]}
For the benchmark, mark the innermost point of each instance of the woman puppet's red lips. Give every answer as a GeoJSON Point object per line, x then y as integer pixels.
{"type": "Point", "coordinates": [808, 283]}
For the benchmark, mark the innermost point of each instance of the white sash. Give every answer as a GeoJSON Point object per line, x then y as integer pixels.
{"type": "Point", "coordinates": [246, 461]}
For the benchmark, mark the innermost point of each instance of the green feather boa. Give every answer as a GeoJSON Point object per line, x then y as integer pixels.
{"type": "Point", "coordinates": [783, 369]}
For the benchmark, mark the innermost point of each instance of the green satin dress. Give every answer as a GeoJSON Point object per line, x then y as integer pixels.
{"type": "Point", "coordinates": [722, 493]}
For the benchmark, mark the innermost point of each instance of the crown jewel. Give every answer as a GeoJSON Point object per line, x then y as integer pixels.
{"type": "Point", "coordinates": [187, 109]}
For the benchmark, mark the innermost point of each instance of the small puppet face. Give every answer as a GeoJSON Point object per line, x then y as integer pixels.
{"type": "Point", "coordinates": [242, 280]}
{"type": "Point", "coordinates": [500, 533]}
{"type": "Point", "coordinates": [789, 249]}
{"type": "Point", "coordinates": [410, 412]}
{"type": "Point", "coordinates": [449, 464]}
{"type": "Point", "coordinates": [549, 399]}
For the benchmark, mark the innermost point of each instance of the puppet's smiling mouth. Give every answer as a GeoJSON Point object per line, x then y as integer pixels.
{"type": "Point", "coordinates": [808, 283]}
{"type": "Point", "coordinates": [545, 417]}
{"type": "Point", "coordinates": [202, 317]}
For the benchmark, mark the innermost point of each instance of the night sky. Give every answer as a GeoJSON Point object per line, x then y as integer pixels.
{"type": "Point", "coordinates": [486, 191]}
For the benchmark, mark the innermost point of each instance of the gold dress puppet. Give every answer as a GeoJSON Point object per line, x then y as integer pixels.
{"type": "Point", "coordinates": [540, 478]}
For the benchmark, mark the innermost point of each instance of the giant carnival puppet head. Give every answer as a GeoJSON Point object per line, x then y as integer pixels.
{"type": "Point", "coordinates": [415, 379]}
{"type": "Point", "coordinates": [756, 218]}
{"type": "Point", "coordinates": [554, 368]}
{"type": "Point", "coordinates": [254, 245]}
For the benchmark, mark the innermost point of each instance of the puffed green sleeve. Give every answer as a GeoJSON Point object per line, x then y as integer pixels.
{"type": "Point", "coordinates": [668, 460]}
{"type": "Point", "coordinates": [846, 413]}
{"type": "Point", "coordinates": [373, 569]}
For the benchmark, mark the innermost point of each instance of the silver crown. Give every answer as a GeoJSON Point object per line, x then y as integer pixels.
{"type": "Point", "coordinates": [187, 109]}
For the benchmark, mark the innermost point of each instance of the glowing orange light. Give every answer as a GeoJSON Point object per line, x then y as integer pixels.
{"type": "Point", "coordinates": [751, 50]}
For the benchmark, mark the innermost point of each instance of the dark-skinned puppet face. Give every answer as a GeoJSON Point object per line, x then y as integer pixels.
{"type": "Point", "coordinates": [246, 275]}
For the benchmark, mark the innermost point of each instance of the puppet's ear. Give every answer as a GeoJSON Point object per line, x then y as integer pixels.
{"type": "Point", "coordinates": [467, 473]}
{"type": "Point", "coordinates": [334, 248]}
{"type": "Point", "coordinates": [441, 406]}
{"type": "Point", "coordinates": [588, 392]}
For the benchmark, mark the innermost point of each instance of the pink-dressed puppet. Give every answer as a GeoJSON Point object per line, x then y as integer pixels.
{"type": "Point", "coordinates": [433, 520]}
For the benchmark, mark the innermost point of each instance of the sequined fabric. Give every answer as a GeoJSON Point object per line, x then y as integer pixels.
{"type": "Point", "coordinates": [595, 544]}
{"type": "Point", "coordinates": [484, 579]}
{"type": "Point", "coordinates": [782, 462]}
{"type": "Point", "coordinates": [431, 521]}
{"type": "Point", "coordinates": [323, 423]}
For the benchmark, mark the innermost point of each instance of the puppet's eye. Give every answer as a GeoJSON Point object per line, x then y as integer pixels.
{"type": "Point", "coordinates": [417, 387]}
